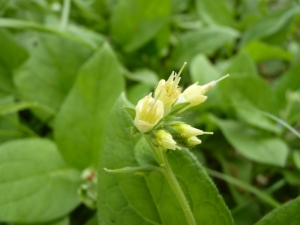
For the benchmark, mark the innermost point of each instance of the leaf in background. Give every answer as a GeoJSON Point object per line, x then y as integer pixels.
{"type": "Point", "coordinates": [241, 65]}
{"type": "Point", "coordinates": [250, 144]}
{"type": "Point", "coordinates": [250, 91]}
{"type": "Point", "coordinates": [253, 117]}
{"type": "Point", "coordinates": [269, 25]}
{"type": "Point", "coordinates": [144, 76]}
{"type": "Point", "coordinates": [289, 81]}
{"type": "Point", "coordinates": [130, 199]}
{"type": "Point", "coordinates": [260, 51]}
{"type": "Point", "coordinates": [9, 123]}
{"type": "Point", "coordinates": [137, 92]}
{"type": "Point", "coordinates": [205, 41]}
{"type": "Point", "coordinates": [287, 214]}
{"type": "Point", "coordinates": [79, 124]}
{"type": "Point", "coordinates": [50, 72]}
{"type": "Point", "coordinates": [202, 70]}
{"type": "Point", "coordinates": [36, 185]}
{"type": "Point", "coordinates": [136, 22]}
{"type": "Point", "coordinates": [215, 12]}
{"type": "Point", "coordinates": [296, 158]}
{"type": "Point", "coordinates": [11, 56]}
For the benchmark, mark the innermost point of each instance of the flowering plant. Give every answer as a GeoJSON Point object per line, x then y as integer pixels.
{"type": "Point", "coordinates": [156, 118]}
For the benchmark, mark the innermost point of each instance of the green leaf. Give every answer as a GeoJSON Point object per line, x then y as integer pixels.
{"type": "Point", "coordinates": [287, 214]}
{"type": "Point", "coordinates": [241, 65]}
{"type": "Point", "coordinates": [296, 158]}
{"type": "Point", "coordinates": [204, 40]}
{"type": "Point", "coordinates": [137, 92]}
{"type": "Point", "coordinates": [240, 92]}
{"type": "Point", "coordinates": [36, 185]}
{"type": "Point", "coordinates": [128, 199]}
{"type": "Point", "coordinates": [144, 76]}
{"type": "Point", "coordinates": [12, 55]}
{"type": "Point", "coordinates": [135, 22]}
{"type": "Point", "coordinates": [51, 70]}
{"type": "Point", "coordinates": [202, 70]}
{"type": "Point", "coordinates": [250, 144]}
{"type": "Point", "coordinates": [9, 124]}
{"type": "Point", "coordinates": [269, 25]}
{"type": "Point", "coordinates": [260, 51]}
{"type": "Point", "coordinates": [215, 12]}
{"type": "Point", "coordinates": [289, 81]}
{"type": "Point", "coordinates": [79, 124]}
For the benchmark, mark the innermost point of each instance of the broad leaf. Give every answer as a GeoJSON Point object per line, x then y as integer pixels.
{"type": "Point", "coordinates": [51, 70]}
{"type": "Point", "coordinates": [11, 56]}
{"type": "Point", "coordinates": [250, 144]}
{"type": "Point", "coordinates": [79, 124]}
{"type": "Point", "coordinates": [135, 22]}
{"type": "Point", "coordinates": [130, 199]}
{"type": "Point", "coordinates": [204, 40]}
{"type": "Point", "coordinates": [269, 24]}
{"type": "Point", "coordinates": [260, 51]}
{"type": "Point", "coordinates": [215, 12]}
{"type": "Point", "coordinates": [241, 65]}
{"type": "Point", "coordinates": [287, 214]}
{"type": "Point", "coordinates": [36, 185]}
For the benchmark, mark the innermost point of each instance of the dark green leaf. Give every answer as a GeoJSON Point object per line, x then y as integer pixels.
{"type": "Point", "coordinates": [135, 22]}
{"type": "Point", "coordinates": [80, 123]}
{"type": "Point", "coordinates": [249, 143]}
{"type": "Point", "coordinates": [51, 70]}
{"type": "Point", "coordinates": [287, 214]}
{"type": "Point", "coordinates": [128, 199]}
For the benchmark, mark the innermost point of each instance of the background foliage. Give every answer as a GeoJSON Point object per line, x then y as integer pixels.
{"type": "Point", "coordinates": [63, 64]}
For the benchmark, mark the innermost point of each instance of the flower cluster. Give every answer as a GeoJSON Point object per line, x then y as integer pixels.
{"type": "Point", "coordinates": [154, 116]}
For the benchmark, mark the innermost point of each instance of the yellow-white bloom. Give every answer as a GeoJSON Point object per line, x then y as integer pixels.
{"type": "Point", "coordinates": [165, 140]}
{"type": "Point", "coordinates": [149, 112]}
{"type": "Point", "coordinates": [192, 141]}
{"type": "Point", "coordinates": [168, 91]}
{"type": "Point", "coordinates": [189, 131]}
{"type": "Point", "coordinates": [194, 94]}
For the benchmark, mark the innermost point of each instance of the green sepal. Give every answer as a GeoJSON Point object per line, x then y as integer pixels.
{"type": "Point", "coordinates": [134, 131]}
{"type": "Point", "coordinates": [130, 111]}
{"type": "Point", "coordinates": [139, 170]}
{"type": "Point", "coordinates": [176, 108]}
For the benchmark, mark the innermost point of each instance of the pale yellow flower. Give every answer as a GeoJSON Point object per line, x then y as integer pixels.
{"type": "Point", "coordinates": [149, 112]}
{"type": "Point", "coordinates": [194, 94]}
{"type": "Point", "coordinates": [168, 91]}
{"type": "Point", "coordinates": [165, 140]}
{"type": "Point", "coordinates": [187, 131]}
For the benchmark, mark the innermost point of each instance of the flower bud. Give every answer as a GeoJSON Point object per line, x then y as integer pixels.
{"type": "Point", "coordinates": [168, 91]}
{"type": "Point", "coordinates": [149, 112]}
{"type": "Point", "coordinates": [188, 131]}
{"type": "Point", "coordinates": [194, 94]}
{"type": "Point", "coordinates": [164, 139]}
{"type": "Point", "coordinates": [192, 141]}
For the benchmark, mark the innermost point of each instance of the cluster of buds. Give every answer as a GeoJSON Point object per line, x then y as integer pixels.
{"type": "Point", "coordinates": [154, 116]}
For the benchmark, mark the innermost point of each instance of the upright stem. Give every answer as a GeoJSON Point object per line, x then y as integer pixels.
{"type": "Point", "coordinates": [65, 14]}
{"type": "Point", "coordinates": [161, 157]}
{"type": "Point", "coordinates": [177, 190]}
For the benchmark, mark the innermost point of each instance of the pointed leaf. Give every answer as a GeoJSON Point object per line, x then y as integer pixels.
{"type": "Point", "coordinates": [128, 199]}
{"type": "Point", "coordinates": [79, 125]}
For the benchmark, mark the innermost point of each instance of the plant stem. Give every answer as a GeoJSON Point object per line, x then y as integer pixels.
{"type": "Point", "coordinates": [65, 14]}
{"type": "Point", "coordinates": [168, 172]}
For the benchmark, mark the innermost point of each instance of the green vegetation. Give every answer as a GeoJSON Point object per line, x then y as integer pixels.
{"type": "Point", "coordinates": [70, 70]}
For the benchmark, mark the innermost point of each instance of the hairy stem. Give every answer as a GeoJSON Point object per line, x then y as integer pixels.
{"type": "Point", "coordinates": [168, 172]}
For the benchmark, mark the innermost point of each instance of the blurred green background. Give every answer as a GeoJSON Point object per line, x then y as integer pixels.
{"type": "Point", "coordinates": [64, 63]}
